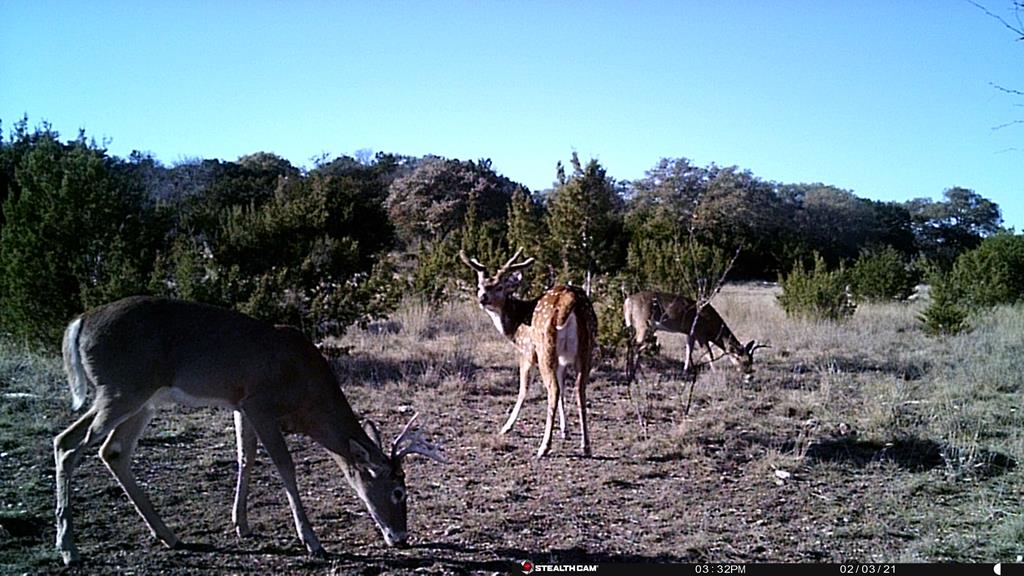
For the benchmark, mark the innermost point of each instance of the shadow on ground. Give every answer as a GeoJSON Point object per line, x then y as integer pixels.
{"type": "Point", "coordinates": [912, 454]}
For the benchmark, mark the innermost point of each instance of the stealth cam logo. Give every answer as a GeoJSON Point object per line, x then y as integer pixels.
{"type": "Point", "coordinates": [527, 567]}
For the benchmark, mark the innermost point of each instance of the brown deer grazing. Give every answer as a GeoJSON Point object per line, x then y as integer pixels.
{"type": "Point", "coordinates": [553, 332]}
{"type": "Point", "coordinates": [652, 311]}
{"type": "Point", "coordinates": [140, 351]}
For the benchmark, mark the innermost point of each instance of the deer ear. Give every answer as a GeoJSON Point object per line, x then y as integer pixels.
{"type": "Point", "coordinates": [362, 460]}
{"type": "Point", "coordinates": [360, 457]}
{"type": "Point", "coordinates": [749, 346]}
{"type": "Point", "coordinates": [513, 280]}
{"type": "Point", "coordinates": [370, 427]}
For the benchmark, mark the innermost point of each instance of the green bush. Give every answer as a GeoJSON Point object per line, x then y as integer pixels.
{"type": "Point", "coordinates": [439, 275]}
{"type": "Point", "coordinates": [310, 257]}
{"type": "Point", "coordinates": [992, 273]}
{"type": "Point", "coordinates": [437, 271]}
{"type": "Point", "coordinates": [989, 275]}
{"type": "Point", "coordinates": [882, 275]}
{"type": "Point", "coordinates": [78, 233]}
{"type": "Point", "coordinates": [676, 265]}
{"type": "Point", "coordinates": [609, 296]}
{"type": "Point", "coordinates": [818, 294]}
{"type": "Point", "coordinates": [944, 316]}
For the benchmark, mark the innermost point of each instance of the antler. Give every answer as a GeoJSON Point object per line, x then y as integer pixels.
{"type": "Point", "coordinates": [415, 443]}
{"type": "Point", "coordinates": [510, 267]}
{"type": "Point", "coordinates": [754, 345]}
{"type": "Point", "coordinates": [505, 268]}
{"type": "Point", "coordinates": [472, 262]}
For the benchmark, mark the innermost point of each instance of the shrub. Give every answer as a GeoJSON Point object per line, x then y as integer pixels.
{"type": "Point", "coordinates": [882, 275]}
{"type": "Point", "coordinates": [609, 296]}
{"type": "Point", "coordinates": [677, 265]}
{"type": "Point", "coordinates": [439, 275]}
{"type": "Point", "coordinates": [944, 315]}
{"type": "Point", "coordinates": [312, 256]}
{"type": "Point", "coordinates": [818, 294]}
{"type": "Point", "coordinates": [435, 277]}
{"type": "Point", "coordinates": [992, 273]}
{"type": "Point", "coordinates": [78, 233]}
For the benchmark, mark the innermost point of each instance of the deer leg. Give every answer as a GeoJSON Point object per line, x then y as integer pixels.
{"type": "Point", "coordinates": [270, 435]}
{"type": "Point", "coordinates": [116, 453]}
{"type": "Point", "coordinates": [561, 401]}
{"type": "Point", "coordinates": [633, 357]}
{"type": "Point", "coordinates": [629, 360]}
{"type": "Point", "coordinates": [711, 355]}
{"type": "Point", "coordinates": [637, 346]}
{"type": "Point", "coordinates": [524, 384]}
{"type": "Point", "coordinates": [582, 375]}
{"type": "Point", "coordinates": [67, 451]}
{"type": "Point", "coordinates": [550, 377]}
{"type": "Point", "coordinates": [245, 438]}
{"type": "Point", "coordinates": [688, 355]}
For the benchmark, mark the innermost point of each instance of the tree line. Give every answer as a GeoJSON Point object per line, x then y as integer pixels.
{"type": "Point", "coordinates": [343, 241]}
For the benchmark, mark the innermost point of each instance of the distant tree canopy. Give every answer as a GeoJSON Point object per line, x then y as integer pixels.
{"type": "Point", "coordinates": [82, 228]}
{"type": "Point", "coordinates": [434, 198]}
{"type": "Point", "coordinates": [321, 248]}
{"type": "Point", "coordinates": [584, 221]}
{"type": "Point", "coordinates": [945, 229]}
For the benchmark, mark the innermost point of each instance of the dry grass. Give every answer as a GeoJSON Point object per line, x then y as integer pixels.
{"type": "Point", "coordinates": [859, 441]}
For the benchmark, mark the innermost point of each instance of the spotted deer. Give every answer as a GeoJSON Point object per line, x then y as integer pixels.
{"type": "Point", "coordinates": [553, 332]}
{"type": "Point", "coordinates": [139, 352]}
{"type": "Point", "coordinates": [649, 311]}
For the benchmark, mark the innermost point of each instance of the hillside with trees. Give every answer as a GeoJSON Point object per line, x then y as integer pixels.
{"type": "Point", "coordinates": [342, 242]}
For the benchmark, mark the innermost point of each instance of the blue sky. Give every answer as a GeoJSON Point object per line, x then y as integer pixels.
{"type": "Point", "coordinates": [892, 100]}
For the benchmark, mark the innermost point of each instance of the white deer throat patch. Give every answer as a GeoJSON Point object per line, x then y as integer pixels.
{"type": "Point", "coordinates": [496, 319]}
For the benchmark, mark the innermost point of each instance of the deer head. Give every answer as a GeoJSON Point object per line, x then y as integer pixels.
{"type": "Point", "coordinates": [492, 291]}
{"type": "Point", "coordinates": [744, 358]}
{"type": "Point", "coordinates": [378, 479]}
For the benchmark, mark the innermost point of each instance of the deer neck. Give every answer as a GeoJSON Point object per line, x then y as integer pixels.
{"type": "Point", "coordinates": [727, 341]}
{"type": "Point", "coordinates": [512, 315]}
{"type": "Point", "coordinates": [328, 419]}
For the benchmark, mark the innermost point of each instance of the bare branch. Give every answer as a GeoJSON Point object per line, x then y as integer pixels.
{"type": "Point", "coordinates": [1005, 89]}
{"type": "Point", "coordinates": [1008, 124]}
{"type": "Point", "coordinates": [1016, 30]}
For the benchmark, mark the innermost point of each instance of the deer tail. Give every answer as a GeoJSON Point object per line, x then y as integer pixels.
{"type": "Point", "coordinates": [73, 366]}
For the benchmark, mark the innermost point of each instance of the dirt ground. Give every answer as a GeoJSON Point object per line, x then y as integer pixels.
{"type": "Point", "coordinates": [750, 475]}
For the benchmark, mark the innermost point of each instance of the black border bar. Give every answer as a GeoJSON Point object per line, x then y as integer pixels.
{"type": "Point", "coordinates": [740, 569]}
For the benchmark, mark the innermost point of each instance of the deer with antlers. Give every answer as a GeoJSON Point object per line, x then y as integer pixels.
{"type": "Point", "coordinates": [141, 351]}
{"type": "Point", "coordinates": [647, 312]}
{"type": "Point", "coordinates": [553, 332]}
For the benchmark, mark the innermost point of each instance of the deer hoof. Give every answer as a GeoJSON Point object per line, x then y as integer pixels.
{"type": "Point", "coordinates": [318, 552]}
{"type": "Point", "coordinates": [70, 557]}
